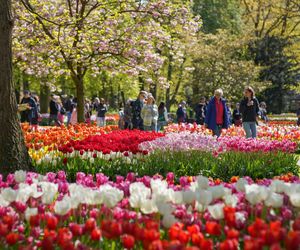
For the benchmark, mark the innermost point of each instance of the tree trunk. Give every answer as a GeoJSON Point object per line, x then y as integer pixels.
{"type": "Point", "coordinates": [80, 98]}
{"type": "Point", "coordinates": [44, 98]}
{"type": "Point", "coordinates": [13, 152]}
{"type": "Point", "coordinates": [169, 78]}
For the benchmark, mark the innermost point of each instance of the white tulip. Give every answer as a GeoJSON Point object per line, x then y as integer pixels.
{"type": "Point", "coordinates": [169, 220]}
{"type": "Point", "coordinates": [63, 207]}
{"type": "Point", "coordinates": [204, 197]}
{"type": "Point", "coordinates": [3, 202]}
{"type": "Point", "coordinates": [30, 212]}
{"type": "Point", "coordinates": [20, 176]}
{"type": "Point", "coordinates": [217, 191]}
{"type": "Point", "coordinates": [49, 192]}
{"type": "Point", "coordinates": [165, 208]}
{"type": "Point", "coordinates": [9, 194]}
{"type": "Point", "coordinates": [231, 200]}
{"type": "Point", "coordinates": [178, 197]}
{"type": "Point", "coordinates": [274, 200]}
{"type": "Point", "coordinates": [188, 196]}
{"type": "Point", "coordinates": [295, 199]}
{"type": "Point", "coordinates": [202, 182]}
{"type": "Point", "coordinates": [148, 206]}
{"type": "Point", "coordinates": [158, 185]}
{"type": "Point", "coordinates": [240, 217]}
{"type": "Point", "coordinates": [240, 184]}
{"type": "Point", "coordinates": [277, 186]}
{"type": "Point", "coordinates": [216, 211]}
{"type": "Point", "coordinates": [111, 195]}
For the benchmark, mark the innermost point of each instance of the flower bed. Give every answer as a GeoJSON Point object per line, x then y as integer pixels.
{"type": "Point", "coordinates": [148, 213]}
{"type": "Point", "coordinates": [58, 136]}
{"type": "Point", "coordinates": [266, 131]}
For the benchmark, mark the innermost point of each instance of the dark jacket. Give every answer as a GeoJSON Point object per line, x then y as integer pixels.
{"type": "Point", "coordinates": [101, 110]}
{"type": "Point", "coordinates": [29, 115]}
{"type": "Point", "coordinates": [68, 105]}
{"type": "Point", "coordinates": [211, 114]}
{"type": "Point", "coordinates": [200, 112]}
{"type": "Point", "coordinates": [181, 114]}
{"type": "Point", "coordinates": [249, 113]}
{"type": "Point", "coordinates": [54, 108]}
{"type": "Point", "coordinates": [137, 120]}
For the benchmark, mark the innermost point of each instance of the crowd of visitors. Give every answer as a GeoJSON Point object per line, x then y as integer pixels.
{"type": "Point", "coordinates": [144, 114]}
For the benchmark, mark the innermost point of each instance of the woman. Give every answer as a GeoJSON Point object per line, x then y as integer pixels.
{"type": "Point", "coordinates": [217, 116]}
{"type": "Point", "coordinates": [162, 116]}
{"type": "Point", "coordinates": [61, 112]}
{"type": "Point", "coordinates": [249, 108]}
{"type": "Point", "coordinates": [101, 111]}
{"type": "Point", "coordinates": [181, 113]}
{"type": "Point", "coordinates": [149, 114]}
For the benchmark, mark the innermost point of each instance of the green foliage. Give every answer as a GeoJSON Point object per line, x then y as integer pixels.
{"type": "Point", "coordinates": [221, 61]}
{"type": "Point", "coordinates": [191, 163]}
{"type": "Point", "coordinates": [219, 14]}
{"type": "Point", "coordinates": [279, 68]}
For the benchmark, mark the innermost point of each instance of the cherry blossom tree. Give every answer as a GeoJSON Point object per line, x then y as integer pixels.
{"type": "Point", "coordinates": [69, 38]}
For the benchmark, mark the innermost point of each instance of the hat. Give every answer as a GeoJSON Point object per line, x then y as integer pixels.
{"type": "Point", "coordinates": [26, 92]}
{"type": "Point", "coordinates": [183, 102]}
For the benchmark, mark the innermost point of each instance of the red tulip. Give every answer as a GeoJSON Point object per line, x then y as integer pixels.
{"type": "Point", "coordinates": [296, 225]}
{"type": "Point", "coordinates": [128, 241]}
{"type": "Point", "coordinates": [34, 220]}
{"type": "Point", "coordinates": [3, 229]}
{"type": "Point", "coordinates": [230, 244]}
{"type": "Point", "coordinates": [116, 229]}
{"type": "Point", "coordinates": [12, 238]}
{"type": "Point", "coordinates": [96, 234]}
{"type": "Point", "coordinates": [75, 229]}
{"type": "Point", "coordinates": [293, 240]}
{"type": "Point", "coordinates": [197, 238]}
{"type": "Point", "coordinates": [232, 234]}
{"type": "Point", "coordinates": [213, 228]}
{"type": "Point", "coordinates": [207, 244]}
{"type": "Point", "coordinates": [47, 243]}
{"type": "Point", "coordinates": [52, 222]}
{"type": "Point", "coordinates": [158, 245]}
{"type": "Point", "coordinates": [90, 224]}
{"type": "Point", "coordinates": [253, 244]}
{"type": "Point", "coordinates": [8, 220]}
{"type": "Point", "coordinates": [184, 237]}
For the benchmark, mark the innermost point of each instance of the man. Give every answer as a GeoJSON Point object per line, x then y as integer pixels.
{"type": "Point", "coordinates": [200, 111]}
{"type": "Point", "coordinates": [68, 105]}
{"type": "Point", "coordinates": [181, 113]}
{"type": "Point", "coordinates": [217, 116]}
{"type": "Point", "coordinates": [28, 114]}
{"type": "Point", "coordinates": [54, 109]}
{"type": "Point", "coordinates": [137, 105]}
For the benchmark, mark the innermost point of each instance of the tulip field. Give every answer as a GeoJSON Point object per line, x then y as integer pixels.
{"type": "Point", "coordinates": [104, 188]}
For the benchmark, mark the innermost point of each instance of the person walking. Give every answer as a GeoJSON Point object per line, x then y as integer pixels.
{"type": "Point", "coordinates": [162, 116]}
{"type": "Point", "coordinates": [149, 114]}
{"type": "Point", "coordinates": [249, 107]}
{"type": "Point", "coordinates": [68, 106]}
{"type": "Point", "coordinates": [128, 114]}
{"type": "Point", "coordinates": [237, 116]}
{"type": "Point", "coordinates": [101, 111]}
{"type": "Point", "coordinates": [54, 109]}
{"type": "Point", "coordinates": [61, 110]}
{"type": "Point", "coordinates": [216, 117]}
{"type": "Point", "coordinates": [263, 112]}
{"type": "Point", "coordinates": [200, 111]}
{"type": "Point", "coordinates": [181, 113]}
{"type": "Point", "coordinates": [35, 113]}
{"type": "Point", "coordinates": [87, 111]}
{"type": "Point", "coordinates": [137, 105]}
{"type": "Point", "coordinates": [29, 104]}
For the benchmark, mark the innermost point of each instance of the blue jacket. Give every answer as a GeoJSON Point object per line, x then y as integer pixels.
{"type": "Point", "coordinates": [211, 114]}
